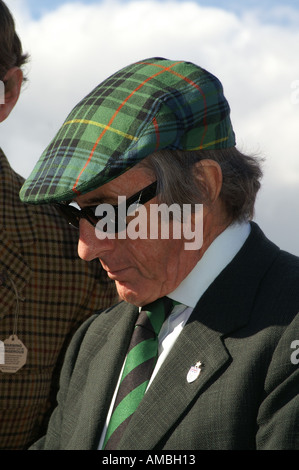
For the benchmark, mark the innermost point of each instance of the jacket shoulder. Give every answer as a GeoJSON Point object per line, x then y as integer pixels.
{"type": "Point", "coordinates": [284, 276]}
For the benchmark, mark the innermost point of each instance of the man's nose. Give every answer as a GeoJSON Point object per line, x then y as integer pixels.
{"type": "Point", "coordinates": [89, 246]}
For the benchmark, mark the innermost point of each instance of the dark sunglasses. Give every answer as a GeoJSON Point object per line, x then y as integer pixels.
{"type": "Point", "coordinates": [74, 215]}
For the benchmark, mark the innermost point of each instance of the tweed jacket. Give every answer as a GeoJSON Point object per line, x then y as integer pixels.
{"type": "Point", "coordinates": [57, 291]}
{"type": "Point", "coordinates": [246, 396]}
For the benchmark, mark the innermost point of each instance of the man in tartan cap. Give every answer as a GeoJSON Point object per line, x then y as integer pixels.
{"type": "Point", "coordinates": [158, 133]}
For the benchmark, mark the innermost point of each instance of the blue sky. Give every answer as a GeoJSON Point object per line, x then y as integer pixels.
{"type": "Point", "coordinates": [38, 7]}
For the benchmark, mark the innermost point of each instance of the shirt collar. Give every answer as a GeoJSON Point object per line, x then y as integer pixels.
{"type": "Point", "coordinates": [219, 254]}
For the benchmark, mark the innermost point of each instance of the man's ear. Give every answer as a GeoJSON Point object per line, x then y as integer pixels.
{"type": "Point", "coordinates": [13, 82]}
{"type": "Point", "coordinates": [209, 176]}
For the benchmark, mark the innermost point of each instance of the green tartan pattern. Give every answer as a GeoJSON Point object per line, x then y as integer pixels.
{"type": "Point", "coordinates": [147, 106]}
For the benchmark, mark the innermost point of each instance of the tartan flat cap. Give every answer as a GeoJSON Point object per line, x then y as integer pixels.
{"type": "Point", "coordinates": [147, 106]}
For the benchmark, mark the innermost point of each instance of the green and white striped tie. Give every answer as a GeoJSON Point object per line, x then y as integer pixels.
{"type": "Point", "coordinates": [140, 362]}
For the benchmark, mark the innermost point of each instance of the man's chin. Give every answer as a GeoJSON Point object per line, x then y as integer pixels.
{"type": "Point", "coordinates": [132, 296]}
{"type": "Point", "coordinates": [127, 293]}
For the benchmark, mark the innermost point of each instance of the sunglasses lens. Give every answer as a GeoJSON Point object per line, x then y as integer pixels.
{"type": "Point", "coordinates": [107, 222]}
{"type": "Point", "coordinates": [70, 214]}
{"type": "Point", "coordinates": [89, 214]}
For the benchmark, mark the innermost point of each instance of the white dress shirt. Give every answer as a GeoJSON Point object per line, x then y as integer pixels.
{"type": "Point", "coordinates": [219, 254]}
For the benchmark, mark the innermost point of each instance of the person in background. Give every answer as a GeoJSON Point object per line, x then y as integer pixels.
{"type": "Point", "coordinates": [198, 356]}
{"type": "Point", "coordinates": [46, 291]}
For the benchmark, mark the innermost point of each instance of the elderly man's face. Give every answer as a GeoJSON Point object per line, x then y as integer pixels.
{"type": "Point", "coordinates": [143, 269]}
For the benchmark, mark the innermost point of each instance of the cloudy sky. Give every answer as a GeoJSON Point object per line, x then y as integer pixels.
{"type": "Point", "coordinates": [251, 46]}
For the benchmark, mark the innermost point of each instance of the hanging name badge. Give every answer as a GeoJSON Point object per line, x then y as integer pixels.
{"type": "Point", "coordinates": [15, 355]}
{"type": "Point", "coordinates": [194, 372]}
{"type": "Point", "coordinates": [2, 360]}
{"type": "Point", "coordinates": [15, 352]}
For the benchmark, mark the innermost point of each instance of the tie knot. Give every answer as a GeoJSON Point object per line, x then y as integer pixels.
{"type": "Point", "coordinates": [153, 315]}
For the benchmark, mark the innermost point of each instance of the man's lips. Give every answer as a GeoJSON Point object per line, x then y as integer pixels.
{"type": "Point", "coordinates": [117, 274]}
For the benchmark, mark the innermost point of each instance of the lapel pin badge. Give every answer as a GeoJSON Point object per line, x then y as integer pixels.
{"type": "Point", "coordinates": [194, 372]}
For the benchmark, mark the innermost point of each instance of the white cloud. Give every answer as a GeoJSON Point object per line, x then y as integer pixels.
{"type": "Point", "coordinates": [77, 46]}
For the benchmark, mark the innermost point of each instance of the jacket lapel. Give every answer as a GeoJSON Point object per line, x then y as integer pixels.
{"type": "Point", "coordinates": [170, 394]}
{"type": "Point", "coordinates": [224, 308]}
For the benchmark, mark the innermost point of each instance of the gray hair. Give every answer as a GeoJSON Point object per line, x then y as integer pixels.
{"type": "Point", "coordinates": [177, 183]}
